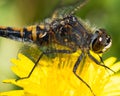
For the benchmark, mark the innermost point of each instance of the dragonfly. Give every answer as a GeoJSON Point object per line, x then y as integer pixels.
{"type": "Point", "coordinates": [65, 29]}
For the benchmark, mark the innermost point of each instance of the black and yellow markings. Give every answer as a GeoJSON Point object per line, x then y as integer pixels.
{"type": "Point", "coordinates": [9, 31]}
{"type": "Point", "coordinates": [31, 32]}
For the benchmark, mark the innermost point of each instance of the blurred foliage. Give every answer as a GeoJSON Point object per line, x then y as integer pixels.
{"type": "Point", "coordinates": [102, 13]}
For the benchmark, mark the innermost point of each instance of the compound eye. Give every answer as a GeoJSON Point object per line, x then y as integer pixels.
{"type": "Point", "coordinates": [101, 42]}
{"type": "Point", "coordinates": [108, 40]}
{"type": "Point", "coordinates": [96, 45]}
{"type": "Point", "coordinates": [108, 44]}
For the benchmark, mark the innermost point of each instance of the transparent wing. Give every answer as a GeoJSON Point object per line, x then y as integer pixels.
{"type": "Point", "coordinates": [70, 8]}
{"type": "Point", "coordinates": [32, 51]}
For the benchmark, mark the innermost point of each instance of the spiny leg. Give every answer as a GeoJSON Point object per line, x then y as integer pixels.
{"type": "Point", "coordinates": [101, 60]}
{"type": "Point", "coordinates": [41, 55]}
{"type": "Point", "coordinates": [99, 63]}
{"type": "Point", "coordinates": [75, 69]}
{"type": "Point", "coordinates": [32, 68]}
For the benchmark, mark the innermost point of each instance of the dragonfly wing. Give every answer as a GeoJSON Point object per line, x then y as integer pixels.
{"type": "Point", "coordinates": [68, 9]}
{"type": "Point", "coordinates": [32, 51]}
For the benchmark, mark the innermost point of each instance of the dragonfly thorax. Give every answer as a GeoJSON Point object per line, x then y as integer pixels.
{"type": "Point", "coordinates": [70, 32]}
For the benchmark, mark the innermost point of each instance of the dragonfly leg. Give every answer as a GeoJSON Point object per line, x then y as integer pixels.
{"type": "Point", "coordinates": [99, 63]}
{"type": "Point", "coordinates": [32, 68]}
{"type": "Point", "coordinates": [75, 69]}
{"type": "Point", "coordinates": [45, 53]}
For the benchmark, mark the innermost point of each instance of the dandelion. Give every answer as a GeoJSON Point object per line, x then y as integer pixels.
{"type": "Point", "coordinates": [56, 78]}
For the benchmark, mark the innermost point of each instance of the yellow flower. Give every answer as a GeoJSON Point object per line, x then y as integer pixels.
{"type": "Point", "coordinates": [54, 77]}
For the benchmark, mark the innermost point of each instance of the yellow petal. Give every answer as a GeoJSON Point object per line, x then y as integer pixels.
{"type": "Point", "coordinates": [55, 77]}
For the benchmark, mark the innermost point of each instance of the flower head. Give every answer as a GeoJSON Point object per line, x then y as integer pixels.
{"type": "Point", "coordinates": [54, 77]}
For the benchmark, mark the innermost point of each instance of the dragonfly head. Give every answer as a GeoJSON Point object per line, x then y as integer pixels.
{"type": "Point", "coordinates": [100, 41]}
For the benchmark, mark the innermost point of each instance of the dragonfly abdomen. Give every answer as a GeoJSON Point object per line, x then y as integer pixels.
{"type": "Point", "coordinates": [13, 33]}
{"type": "Point", "coordinates": [28, 34]}
{"type": "Point", "coordinates": [8, 32]}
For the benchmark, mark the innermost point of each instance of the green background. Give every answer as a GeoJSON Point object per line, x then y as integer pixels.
{"type": "Point", "coordinates": [19, 13]}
